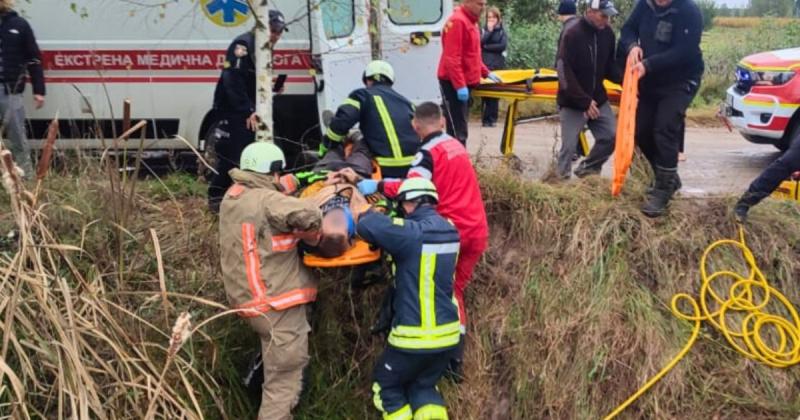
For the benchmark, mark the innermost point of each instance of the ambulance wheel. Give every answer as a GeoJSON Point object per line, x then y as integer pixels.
{"type": "Point", "coordinates": [209, 154]}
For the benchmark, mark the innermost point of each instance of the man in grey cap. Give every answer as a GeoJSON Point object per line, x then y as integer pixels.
{"type": "Point", "coordinates": [586, 57]}
{"type": "Point", "coordinates": [235, 106]}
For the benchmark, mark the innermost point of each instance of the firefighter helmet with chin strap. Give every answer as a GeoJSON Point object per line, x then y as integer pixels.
{"type": "Point", "coordinates": [262, 157]}
{"type": "Point", "coordinates": [413, 189]}
{"type": "Point", "coordinates": [379, 71]}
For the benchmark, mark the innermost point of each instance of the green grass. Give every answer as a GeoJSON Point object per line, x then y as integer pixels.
{"type": "Point", "coordinates": [568, 309]}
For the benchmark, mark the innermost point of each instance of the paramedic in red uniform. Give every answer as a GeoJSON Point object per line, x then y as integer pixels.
{"type": "Point", "coordinates": [445, 161]}
{"type": "Point", "coordinates": [461, 65]}
{"type": "Point", "coordinates": [235, 106]}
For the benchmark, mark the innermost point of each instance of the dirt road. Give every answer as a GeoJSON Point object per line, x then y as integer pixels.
{"type": "Point", "coordinates": [718, 162]}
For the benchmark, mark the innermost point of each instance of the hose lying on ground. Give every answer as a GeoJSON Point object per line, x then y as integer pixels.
{"type": "Point", "coordinates": [748, 297]}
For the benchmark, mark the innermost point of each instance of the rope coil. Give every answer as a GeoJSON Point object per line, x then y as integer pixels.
{"type": "Point", "coordinates": [749, 299]}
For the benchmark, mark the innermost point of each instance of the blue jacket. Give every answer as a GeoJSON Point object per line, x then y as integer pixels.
{"type": "Point", "coordinates": [670, 39]}
{"type": "Point", "coordinates": [424, 247]}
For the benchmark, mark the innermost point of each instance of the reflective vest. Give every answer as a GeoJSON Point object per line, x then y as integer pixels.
{"type": "Point", "coordinates": [384, 118]}
{"type": "Point", "coordinates": [424, 247]}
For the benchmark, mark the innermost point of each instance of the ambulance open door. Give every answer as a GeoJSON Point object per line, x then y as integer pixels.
{"type": "Point", "coordinates": [411, 40]}
{"type": "Point", "coordinates": [341, 47]}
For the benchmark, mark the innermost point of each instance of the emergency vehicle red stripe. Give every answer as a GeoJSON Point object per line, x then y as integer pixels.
{"type": "Point", "coordinates": [777, 124]}
{"type": "Point", "coordinates": [160, 79]}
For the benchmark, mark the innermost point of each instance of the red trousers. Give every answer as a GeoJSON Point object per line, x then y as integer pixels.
{"type": "Point", "coordinates": [468, 257]}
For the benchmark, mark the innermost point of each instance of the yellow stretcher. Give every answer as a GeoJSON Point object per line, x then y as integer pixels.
{"type": "Point", "coordinates": [789, 189]}
{"type": "Point", "coordinates": [528, 85]}
{"type": "Point", "coordinates": [359, 253]}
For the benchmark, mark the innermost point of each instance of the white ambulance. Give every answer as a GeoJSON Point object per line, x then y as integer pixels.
{"type": "Point", "coordinates": [166, 55]}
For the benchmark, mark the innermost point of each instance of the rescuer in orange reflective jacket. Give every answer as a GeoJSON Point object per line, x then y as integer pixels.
{"type": "Point", "coordinates": [259, 230]}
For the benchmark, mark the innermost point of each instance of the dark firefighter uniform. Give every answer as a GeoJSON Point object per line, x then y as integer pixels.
{"type": "Point", "coordinates": [425, 324]}
{"type": "Point", "coordinates": [770, 179]}
{"type": "Point", "coordinates": [384, 118]}
{"type": "Point", "coordinates": [234, 102]}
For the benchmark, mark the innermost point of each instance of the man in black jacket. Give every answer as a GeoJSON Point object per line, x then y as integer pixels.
{"type": "Point", "coordinates": [585, 60]}
{"type": "Point", "coordinates": [235, 106]}
{"type": "Point", "coordinates": [663, 36]}
{"type": "Point", "coordinates": [19, 57]}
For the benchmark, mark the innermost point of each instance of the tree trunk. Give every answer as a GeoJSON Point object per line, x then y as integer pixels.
{"type": "Point", "coordinates": [263, 73]}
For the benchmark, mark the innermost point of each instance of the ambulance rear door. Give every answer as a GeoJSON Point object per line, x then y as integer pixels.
{"type": "Point", "coordinates": [411, 40]}
{"type": "Point", "coordinates": [341, 46]}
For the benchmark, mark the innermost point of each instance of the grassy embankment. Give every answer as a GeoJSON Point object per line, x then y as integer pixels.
{"type": "Point", "coordinates": [568, 309]}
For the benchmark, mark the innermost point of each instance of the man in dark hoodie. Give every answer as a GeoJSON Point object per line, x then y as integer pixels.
{"type": "Point", "coordinates": [663, 36]}
{"type": "Point", "coordinates": [585, 60]}
{"type": "Point", "coordinates": [19, 57]}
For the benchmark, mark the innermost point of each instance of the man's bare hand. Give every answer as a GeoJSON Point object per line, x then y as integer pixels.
{"type": "Point", "coordinates": [640, 69]}
{"type": "Point", "coordinates": [310, 237]}
{"type": "Point", "coordinates": [637, 54]}
{"type": "Point", "coordinates": [334, 178]}
{"type": "Point", "coordinates": [252, 122]}
{"type": "Point", "coordinates": [38, 101]}
{"type": "Point", "coordinates": [349, 175]}
{"type": "Point", "coordinates": [593, 112]}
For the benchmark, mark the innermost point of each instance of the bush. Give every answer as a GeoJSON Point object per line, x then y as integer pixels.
{"type": "Point", "coordinates": [533, 45]}
{"type": "Point", "coordinates": [709, 10]}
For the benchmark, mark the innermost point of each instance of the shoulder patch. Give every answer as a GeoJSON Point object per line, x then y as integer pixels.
{"type": "Point", "coordinates": [398, 221]}
{"type": "Point", "coordinates": [236, 190]}
{"type": "Point", "coordinates": [417, 159]}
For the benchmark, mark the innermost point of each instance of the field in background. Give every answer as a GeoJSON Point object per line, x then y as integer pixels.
{"type": "Point", "coordinates": [724, 45]}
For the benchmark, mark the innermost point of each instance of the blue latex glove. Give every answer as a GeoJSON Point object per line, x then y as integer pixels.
{"type": "Point", "coordinates": [463, 94]}
{"type": "Point", "coordinates": [368, 186]}
{"type": "Point", "coordinates": [495, 78]}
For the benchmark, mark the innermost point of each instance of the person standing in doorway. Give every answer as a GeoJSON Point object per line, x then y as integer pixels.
{"type": "Point", "coordinates": [19, 58]}
{"type": "Point", "coordinates": [494, 42]}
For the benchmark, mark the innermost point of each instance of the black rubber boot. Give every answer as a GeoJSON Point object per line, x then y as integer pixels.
{"type": "Point", "coordinates": [748, 199]}
{"type": "Point", "coordinates": [667, 183]}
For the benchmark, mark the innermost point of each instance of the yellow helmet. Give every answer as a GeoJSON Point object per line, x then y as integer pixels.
{"type": "Point", "coordinates": [414, 188]}
{"type": "Point", "coordinates": [377, 69]}
{"type": "Point", "coordinates": [262, 157]}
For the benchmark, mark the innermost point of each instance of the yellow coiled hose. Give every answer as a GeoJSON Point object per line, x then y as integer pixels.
{"type": "Point", "coordinates": [747, 299]}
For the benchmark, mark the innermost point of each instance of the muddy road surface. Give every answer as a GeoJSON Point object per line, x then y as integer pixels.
{"type": "Point", "coordinates": [718, 162]}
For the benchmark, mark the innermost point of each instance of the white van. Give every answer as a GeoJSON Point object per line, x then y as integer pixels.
{"type": "Point", "coordinates": [166, 58]}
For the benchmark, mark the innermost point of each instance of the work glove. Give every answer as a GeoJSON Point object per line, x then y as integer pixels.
{"type": "Point", "coordinates": [463, 94]}
{"type": "Point", "coordinates": [495, 78]}
{"type": "Point", "coordinates": [323, 147]}
{"type": "Point", "coordinates": [368, 186]}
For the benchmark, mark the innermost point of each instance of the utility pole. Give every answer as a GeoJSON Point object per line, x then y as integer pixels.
{"type": "Point", "coordinates": [375, 28]}
{"type": "Point", "coordinates": [263, 73]}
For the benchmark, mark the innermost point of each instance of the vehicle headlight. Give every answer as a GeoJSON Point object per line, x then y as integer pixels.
{"type": "Point", "coordinates": [772, 78]}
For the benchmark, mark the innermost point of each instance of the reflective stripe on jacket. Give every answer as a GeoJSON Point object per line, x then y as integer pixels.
{"type": "Point", "coordinates": [261, 268]}
{"type": "Point", "coordinates": [424, 247]}
{"type": "Point", "coordinates": [384, 118]}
